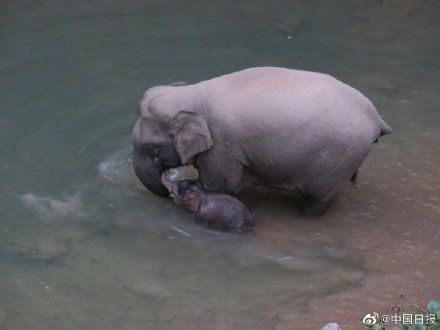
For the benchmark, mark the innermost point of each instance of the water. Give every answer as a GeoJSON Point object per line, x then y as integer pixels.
{"type": "Point", "coordinates": [84, 246]}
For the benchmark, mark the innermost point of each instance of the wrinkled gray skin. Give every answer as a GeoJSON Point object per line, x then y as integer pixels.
{"type": "Point", "coordinates": [282, 128]}
{"type": "Point", "coordinates": [218, 211]}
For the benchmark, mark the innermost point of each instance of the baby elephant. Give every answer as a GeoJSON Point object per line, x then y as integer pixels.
{"type": "Point", "coordinates": [218, 211]}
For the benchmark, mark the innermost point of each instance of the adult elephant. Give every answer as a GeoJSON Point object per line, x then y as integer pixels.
{"type": "Point", "coordinates": [287, 129]}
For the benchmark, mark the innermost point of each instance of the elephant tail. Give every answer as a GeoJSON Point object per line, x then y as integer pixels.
{"type": "Point", "coordinates": [384, 128]}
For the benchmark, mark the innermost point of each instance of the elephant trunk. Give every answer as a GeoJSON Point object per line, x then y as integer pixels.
{"type": "Point", "coordinates": [149, 171]}
{"type": "Point", "coordinates": [166, 181]}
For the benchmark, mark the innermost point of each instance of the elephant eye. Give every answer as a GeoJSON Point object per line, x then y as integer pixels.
{"type": "Point", "coordinates": [188, 192]}
{"type": "Point", "coordinates": [182, 190]}
{"type": "Point", "coordinates": [149, 150]}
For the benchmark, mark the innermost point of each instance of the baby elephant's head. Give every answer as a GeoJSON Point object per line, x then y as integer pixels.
{"type": "Point", "coordinates": [187, 193]}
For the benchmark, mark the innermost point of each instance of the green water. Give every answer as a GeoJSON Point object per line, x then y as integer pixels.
{"type": "Point", "coordinates": [84, 246]}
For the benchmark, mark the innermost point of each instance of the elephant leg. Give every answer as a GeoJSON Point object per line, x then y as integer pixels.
{"type": "Point", "coordinates": [316, 201]}
{"type": "Point", "coordinates": [220, 174]}
{"type": "Point", "coordinates": [322, 185]}
{"type": "Point", "coordinates": [228, 182]}
{"type": "Point", "coordinates": [314, 207]}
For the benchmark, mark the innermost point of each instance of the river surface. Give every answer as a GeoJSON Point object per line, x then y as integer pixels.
{"type": "Point", "coordinates": [84, 246]}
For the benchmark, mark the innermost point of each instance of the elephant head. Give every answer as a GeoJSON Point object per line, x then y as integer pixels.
{"type": "Point", "coordinates": [187, 193]}
{"type": "Point", "coordinates": [168, 133]}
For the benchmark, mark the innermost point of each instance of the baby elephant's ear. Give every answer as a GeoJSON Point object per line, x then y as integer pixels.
{"type": "Point", "coordinates": [192, 135]}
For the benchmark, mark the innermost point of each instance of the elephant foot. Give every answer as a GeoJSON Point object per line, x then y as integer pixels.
{"type": "Point", "coordinates": [313, 207]}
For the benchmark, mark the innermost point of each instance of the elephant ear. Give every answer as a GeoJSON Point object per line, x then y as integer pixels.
{"type": "Point", "coordinates": [192, 135]}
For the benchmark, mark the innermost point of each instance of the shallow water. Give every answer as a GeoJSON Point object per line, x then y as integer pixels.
{"type": "Point", "coordinates": [84, 246]}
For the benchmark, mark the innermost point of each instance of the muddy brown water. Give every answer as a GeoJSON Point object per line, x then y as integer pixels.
{"type": "Point", "coordinates": [84, 246]}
